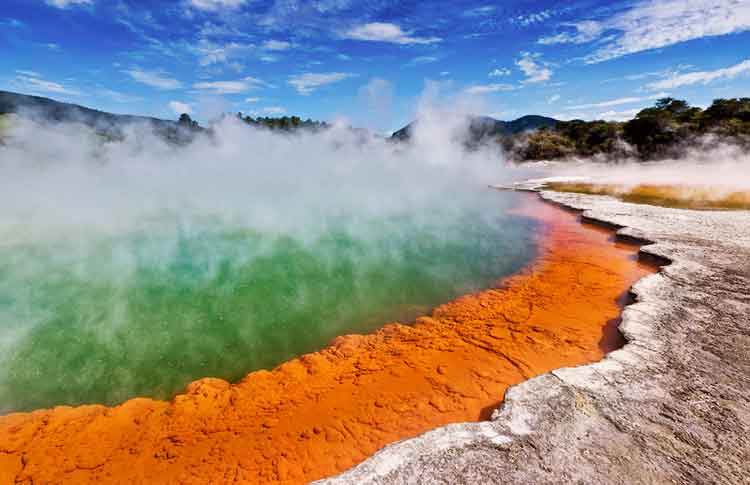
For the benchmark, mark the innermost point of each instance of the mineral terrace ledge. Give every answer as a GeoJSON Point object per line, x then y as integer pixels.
{"type": "Point", "coordinates": [673, 405]}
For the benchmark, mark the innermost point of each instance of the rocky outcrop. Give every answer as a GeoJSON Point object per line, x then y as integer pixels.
{"type": "Point", "coordinates": [673, 405]}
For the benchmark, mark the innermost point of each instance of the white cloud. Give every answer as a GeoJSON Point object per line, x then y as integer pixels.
{"type": "Point", "coordinates": [480, 11]}
{"type": "Point", "coordinates": [179, 107]}
{"type": "Point", "coordinates": [154, 79]}
{"type": "Point", "coordinates": [384, 32]}
{"type": "Point", "coordinates": [216, 4]}
{"type": "Point", "coordinates": [230, 87]}
{"type": "Point", "coordinates": [32, 81]}
{"type": "Point", "coordinates": [619, 101]}
{"type": "Point", "coordinates": [67, 3]}
{"type": "Point", "coordinates": [586, 31]}
{"type": "Point", "coordinates": [252, 100]}
{"type": "Point", "coordinates": [268, 58]}
{"type": "Point", "coordinates": [533, 18]}
{"type": "Point", "coordinates": [488, 88]}
{"type": "Point", "coordinates": [499, 72]}
{"type": "Point", "coordinates": [535, 72]}
{"type": "Point", "coordinates": [308, 82]}
{"type": "Point", "coordinates": [445, 73]}
{"type": "Point", "coordinates": [210, 53]}
{"type": "Point", "coordinates": [653, 24]}
{"type": "Point", "coordinates": [553, 99]}
{"type": "Point", "coordinates": [422, 60]}
{"type": "Point", "coordinates": [618, 115]}
{"type": "Point", "coordinates": [28, 73]}
{"type": "Point", "coordinates": [701, 77]}
{"type": "Point", "coordinates": [277, 45]}
{"type": "Point", "coordinates": [274, 110]}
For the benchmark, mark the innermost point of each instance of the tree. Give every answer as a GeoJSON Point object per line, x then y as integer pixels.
{"type": "Point", "coordinates": [672, 105]}
{"type": "Point", "coordinates": [547, 145]}
{"type": "Point", "coordinates": [186, 121]}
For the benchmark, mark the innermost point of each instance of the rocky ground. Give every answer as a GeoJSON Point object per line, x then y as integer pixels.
{"type": "Point", "coordinates": [672, 406]}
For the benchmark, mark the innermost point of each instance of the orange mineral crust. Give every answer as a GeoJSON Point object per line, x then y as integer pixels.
{"type": "Point", "coordinates": [322, 413]}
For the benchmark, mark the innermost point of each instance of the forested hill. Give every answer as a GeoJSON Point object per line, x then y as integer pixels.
{"type": "Point", "coordinates": [111, 125]}
{"type": "Point", "coordinates": [45, 109]}
{"type": "Point", "coordinates": [664, 130]}
{"type": "Point", "coordinates": [484, 127]}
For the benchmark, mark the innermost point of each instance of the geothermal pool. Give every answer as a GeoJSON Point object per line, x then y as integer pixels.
{"type": "Point", "coordinates": [102, 316]}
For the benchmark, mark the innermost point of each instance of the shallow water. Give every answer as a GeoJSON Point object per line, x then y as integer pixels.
{"type": "Point", "coordinates": [103, 318]}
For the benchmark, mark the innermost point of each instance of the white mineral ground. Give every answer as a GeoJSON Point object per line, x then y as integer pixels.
{"type": "Point", "coordinates": [672, 406]}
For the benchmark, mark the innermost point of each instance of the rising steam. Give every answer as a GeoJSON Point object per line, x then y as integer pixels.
{"type": "Point", "coordinates": [709, 162]}
{"type": "Point", "coordinates": [133, 266]}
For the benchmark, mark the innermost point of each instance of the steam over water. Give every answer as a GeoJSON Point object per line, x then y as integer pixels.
{"type": "Point", "coordinates": [132, 268]}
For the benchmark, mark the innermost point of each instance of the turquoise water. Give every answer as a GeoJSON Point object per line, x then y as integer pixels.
{"type": "Point", "coordinates": [103, 318]}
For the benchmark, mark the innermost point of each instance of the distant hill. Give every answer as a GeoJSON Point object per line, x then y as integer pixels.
{"type": "Point", "coordinates": [108, 124]}
{"type": "Point", "coordinates": [481, 127]}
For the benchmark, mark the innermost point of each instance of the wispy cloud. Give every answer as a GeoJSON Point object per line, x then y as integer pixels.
{"type": "Point", "coordinates": [210, 53]}
{"type": "Point", "coordinates": [422, 60]}
{"type": "Point", "coordinates": [277, 45]}
{"type": "Point", "coordinates": [214, 5]}
{"type": "Point", "coordinates": [68, 3]}
{"type": "Point", "coordinates": [618, 101]}
{"type": "Point", "coordinates": [33, 81]}
{"type": "Point", "coordinates": [480, 11]}
{"type": "Point", "coordinates": [230, 87]}
{"type": "Point", "coordinates": [499, 72]}
{"type": "Point", "coordinates": [154, 79]}
{"type": "Point", "coordinates": [618, 115]}
{"type": "Point", "coordinates": [274, 110]}
{"type": "Point", "coordinates": [533, 18]}
{"type": "Point", "coordinates": [535, 71]}
{"type": "Point", "coordinates": [488, 88]}
{"type": "Point", "coordinates": [653, 24]}
{"type": "Point", "coordinates": [585, 31]}
{"type": "Point", "coordinates": [385, 32]}
{"type": "Point", "coordinates": [308, 82]}
{"type": "Point", "coordinates": [702, 77]}
{"type": "Point", "coordinates": [553, 99]}
{"type": "Point", "coordinates": [28, 73]}
{"type": "Point", "coordinates": [252, 100]}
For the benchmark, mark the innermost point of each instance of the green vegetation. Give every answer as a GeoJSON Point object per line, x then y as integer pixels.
{"type": "Point", "coordinates": [186, 121]}
{"type": "Point", "coordinates": [284, 123]}
{"type": "Point", "coordinates": [661, 131]}
{"type": "Point", "coordinates": [675, 196]}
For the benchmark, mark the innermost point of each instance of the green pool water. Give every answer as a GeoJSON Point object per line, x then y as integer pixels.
{"type": "Point", "coordinates": [142, 313]}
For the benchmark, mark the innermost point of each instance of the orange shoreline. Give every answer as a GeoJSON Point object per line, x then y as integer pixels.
{"type": "Point", "coordinates": [322, 413]}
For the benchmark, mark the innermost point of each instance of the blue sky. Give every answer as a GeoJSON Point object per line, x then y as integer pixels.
{"type": "Point", "coordinates": [370, 61]}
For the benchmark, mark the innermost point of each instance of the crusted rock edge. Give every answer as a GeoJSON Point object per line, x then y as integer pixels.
{"type": "Point", "coordinates": [673, 405]}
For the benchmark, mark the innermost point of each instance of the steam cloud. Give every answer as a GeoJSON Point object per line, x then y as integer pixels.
{"type": "Point", "coordinates": [110, 227]}
{"type": "Point", "coordinates": [709, 162]}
